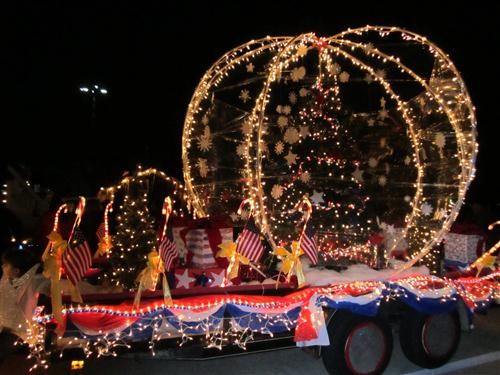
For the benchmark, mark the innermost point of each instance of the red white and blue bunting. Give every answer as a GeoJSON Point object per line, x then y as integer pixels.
{"type": "Point", "coordinates": [300, 312]}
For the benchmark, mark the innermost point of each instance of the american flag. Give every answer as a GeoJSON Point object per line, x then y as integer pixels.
{"type": "Point", "coordinates": [168, 249]}
{"type": "Point", "coordinates": [101, 231]}
{"type": "Point", "coordinates": [249, 244]}
{"type": "Point", "coordinates": [307, 243]}
{"type": "Point", "coordinates": [77, 259]}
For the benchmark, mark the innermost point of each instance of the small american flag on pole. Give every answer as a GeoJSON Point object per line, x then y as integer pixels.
{"type": "Point", "coordinates": [168, 249]}
{"type": "Point", "coordinates": [77, 258]}
{"type": "Point", "coordinates": [307, 243]}
{"type": "Point", "coordinates": [249, 244]}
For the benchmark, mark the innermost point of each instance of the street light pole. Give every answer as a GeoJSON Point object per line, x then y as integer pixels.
{"type": "Point", "coordinates": [94, 90]}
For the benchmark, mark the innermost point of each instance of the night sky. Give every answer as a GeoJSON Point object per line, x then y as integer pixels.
{"type": "Point", "coordinates": [151, 56]}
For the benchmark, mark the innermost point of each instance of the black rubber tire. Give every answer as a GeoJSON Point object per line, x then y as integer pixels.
{"type": "Point", "coordinates": [340, 329]}
{"type": "Point", "coordinates": [426, 345]}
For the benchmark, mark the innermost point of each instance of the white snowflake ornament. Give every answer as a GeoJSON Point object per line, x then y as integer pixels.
{"type": "Point", "coordinates": [426, 209]}
{"type": "Point", "coordinates": [302, 50]}
{"type": "Point", "coordinates": [335, 69]}
{"type": "Point", "coordinates": [279, 148]}
{"type": "Point", "coordinates": [277, 191]}
{"type": "Point", "coordinates": [382, 180]}
{"type": "Point", "coordinates": [282, 121]}
{"type": "Point", "coordinates": [292, 97]}
{"type": "Point", "coordinates": [303, 92]}
{"type": "Point", "coordinates": [440, 142]}
{"type": "Point", "coordinates": [205, 140]}
{"type": "Point", "coordinates": [241, 150]}
{"type": "Point", "coordinates": [246, 127]}
{"type": "Point", "coordinates": [245, 96]}
{"type": "Point", "coordinates": [204, 120]}
{"type": "Point", "coordinates": [358, 175]}
{"type": "Point", "coordinates": [372, 162]}
{"type": "Point", "coordinates": [344, 77]}
{"type": "Point", "coordinates": [291, 135]}
{"type": "Point", "coordinates": [298, 74]}
{"type": "Point", "coordinates": [202, 167]}
{"type": "Point", "coordinates": [305, 177]}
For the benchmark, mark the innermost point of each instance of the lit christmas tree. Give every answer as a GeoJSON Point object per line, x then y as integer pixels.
{"type": "Point", "coordinates": [135, 237]}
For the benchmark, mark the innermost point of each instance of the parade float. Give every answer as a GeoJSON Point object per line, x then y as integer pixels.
{"type": "Point", "coordinates": [322, 176]}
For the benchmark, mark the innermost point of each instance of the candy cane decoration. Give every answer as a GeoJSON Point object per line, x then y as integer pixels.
{"type": "Point", "coordinates": [79, 213]}
{"type": "Point", "coordinates": [166, 210]}
{"type": "Point", "coordinates": [308, 206]}
{"type": "Point", "coordinates": [244, 203]}
{"type": "Point", "coordinates": [62, 207]}
{"type": "Point", "coordinates": [107, 210]}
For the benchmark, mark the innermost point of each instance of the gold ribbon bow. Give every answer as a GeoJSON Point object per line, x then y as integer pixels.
{"type": "Point", "coordinates": [148, 278]}
{"type": "Point", "coordinates": [486, 261]}
{"type": "Point", "coordinates": [104, 245]}
{"type": "Point", "coordinates": [291, 262]}
{"type": "Point", "coordinates": [228, 250]}
{"type": "Point", "coordinates": [52, 260]}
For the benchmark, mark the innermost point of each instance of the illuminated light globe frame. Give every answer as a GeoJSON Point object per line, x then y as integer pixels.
{"type": "Point", "coordinates": [439, 123]}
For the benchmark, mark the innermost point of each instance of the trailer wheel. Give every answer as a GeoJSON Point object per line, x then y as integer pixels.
{"type": "Point", "coordinates": [429, 341]}
{"type": "Point", "coordinates": [358, 345]}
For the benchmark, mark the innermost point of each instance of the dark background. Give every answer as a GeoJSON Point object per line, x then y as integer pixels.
{"type": "Point", "coordinates": [151, 55]}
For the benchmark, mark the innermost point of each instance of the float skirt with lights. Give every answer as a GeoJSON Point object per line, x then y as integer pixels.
{"type": "Point", "coordinates": [300, 312]}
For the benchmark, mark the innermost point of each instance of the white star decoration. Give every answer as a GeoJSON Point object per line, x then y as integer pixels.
{"type": "Point", "coordinates": [218, 278]}
{"type": "Point", "coordinates": [250, 68]}
{"type": "Point", "coordinates": [291, 157]}
{"type": "Point", "coordinates": [317, 197]}
{"type": "Point", "coordinates": [304, 131]}
{"type": "Point", "coordinates": [184, 279]}
{"type": "Point", "coordinates": [358, 175]}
